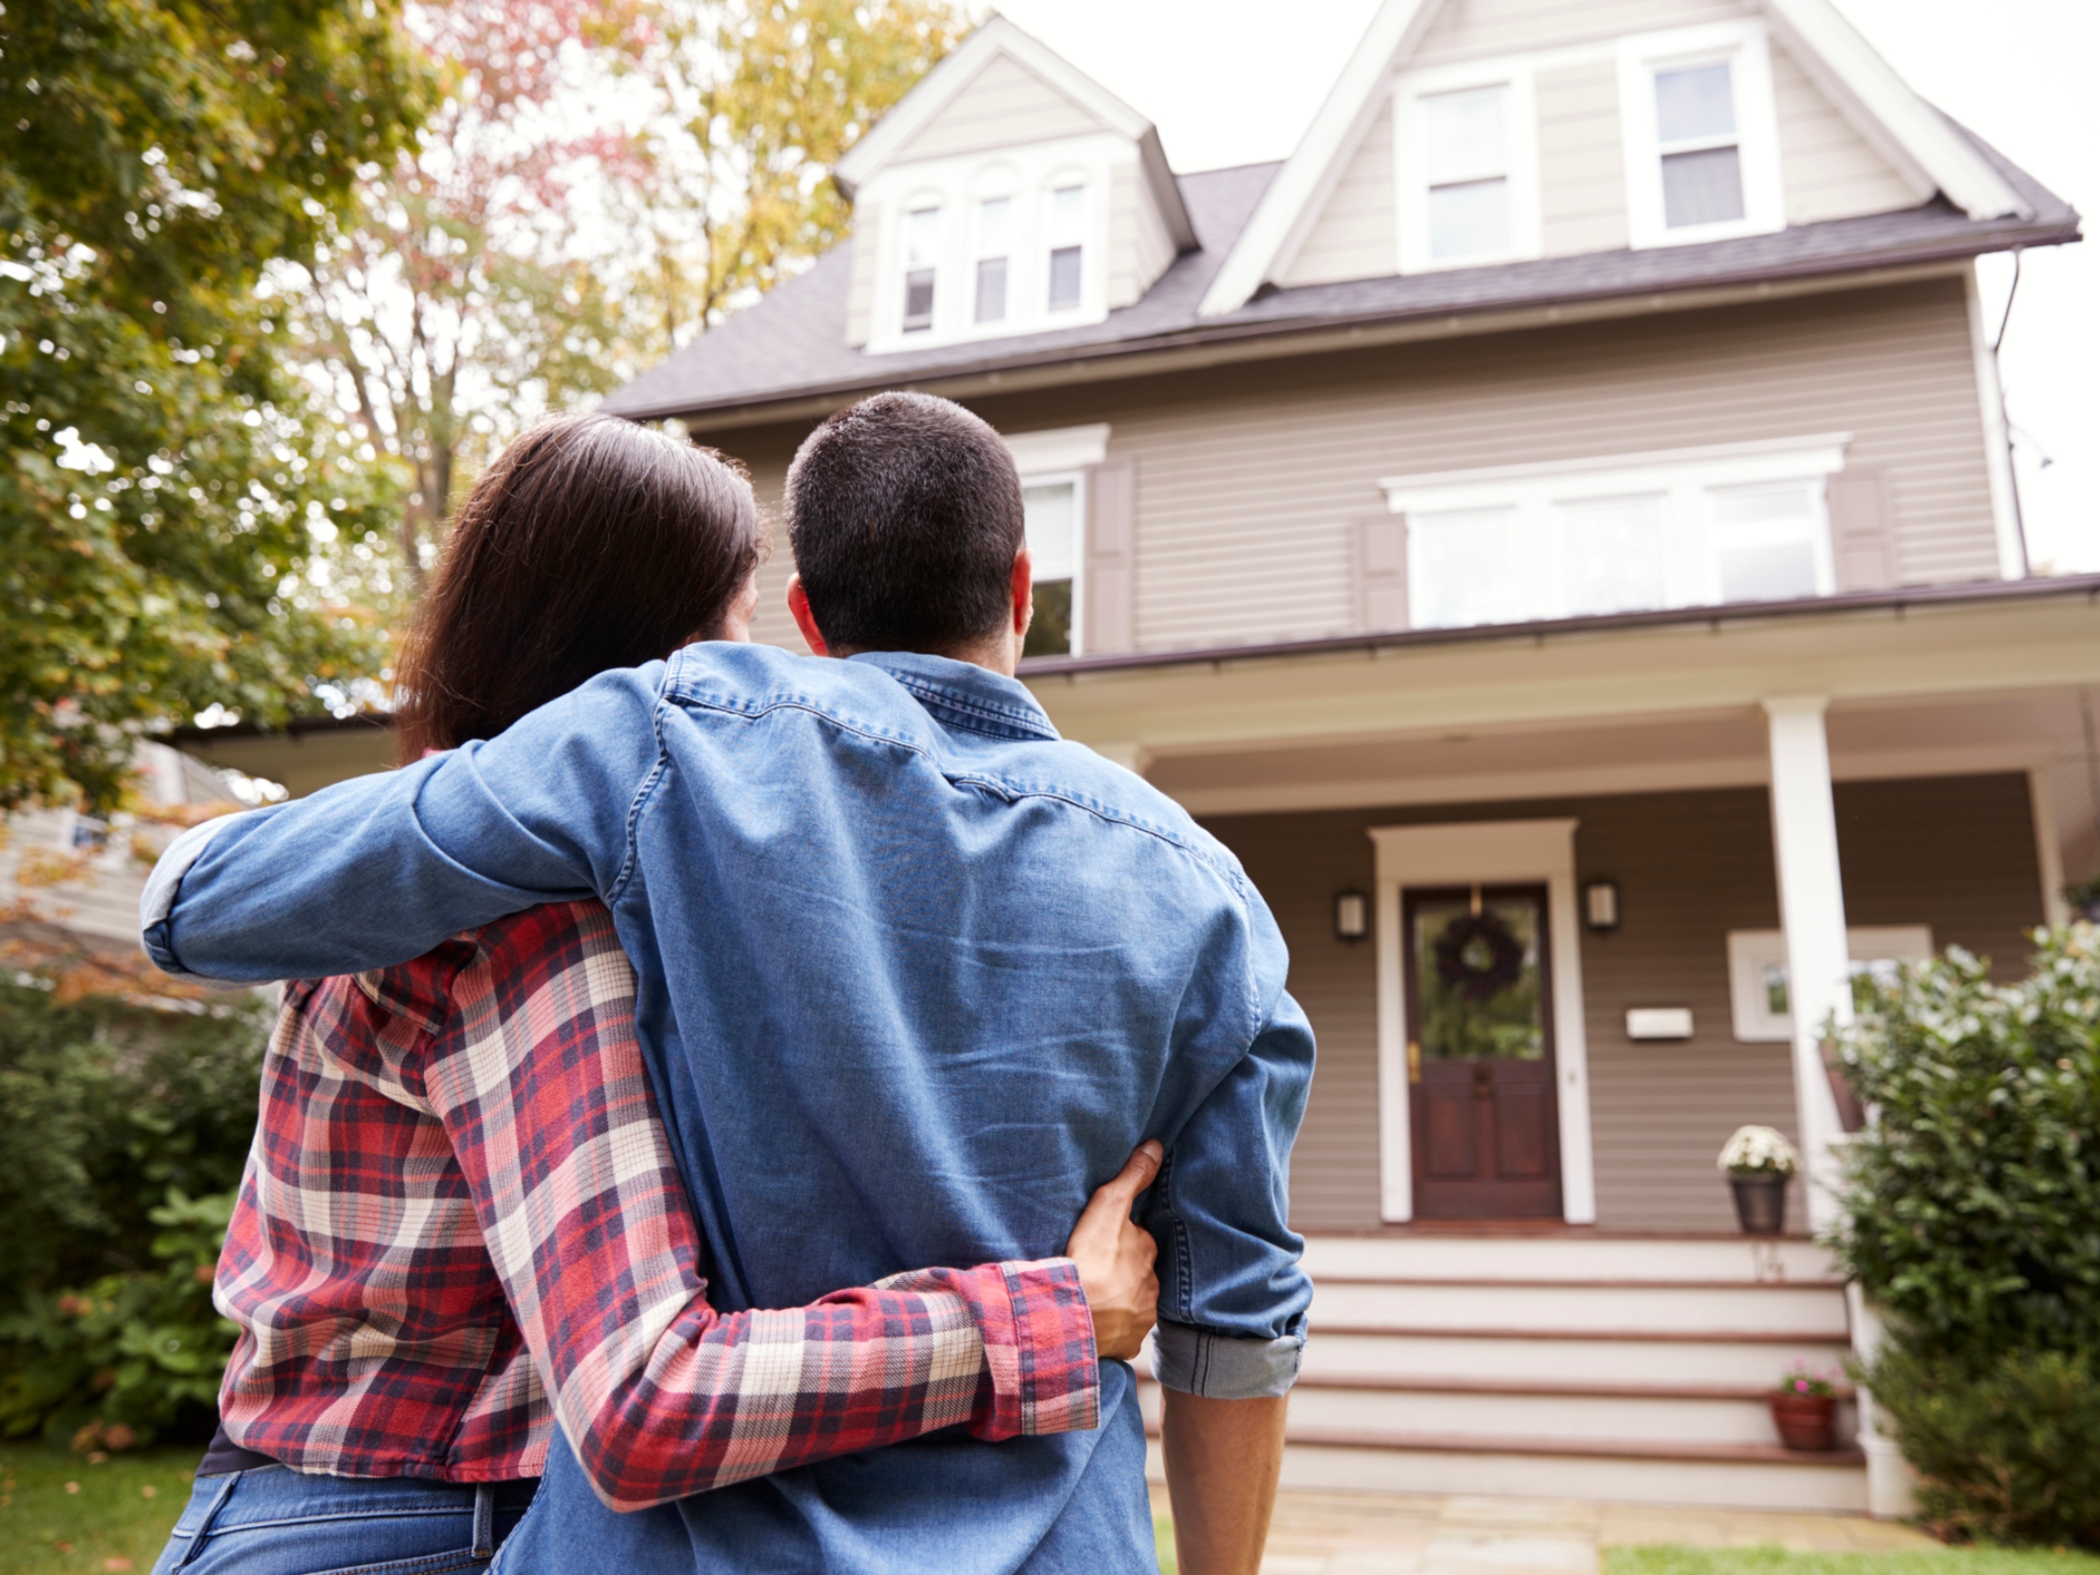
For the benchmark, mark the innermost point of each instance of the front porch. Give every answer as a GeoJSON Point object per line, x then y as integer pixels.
{"type": "Point", "coordinates": [1772, 799]}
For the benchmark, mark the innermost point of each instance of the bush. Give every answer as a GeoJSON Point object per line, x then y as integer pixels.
{"type": "Point", "coordinates": [133, 1355]}
{"type": "Point", "coordinates": [1972, 1218]}
{"type": "Point", "coordinates": [103, 1108]}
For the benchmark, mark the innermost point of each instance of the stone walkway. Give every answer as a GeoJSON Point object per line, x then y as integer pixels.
{"type": "Point", "coordinates": [1376, 1534]}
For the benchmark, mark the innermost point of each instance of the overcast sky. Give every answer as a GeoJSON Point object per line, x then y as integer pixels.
{"type": "Point", "coordinates": [1236, 81]}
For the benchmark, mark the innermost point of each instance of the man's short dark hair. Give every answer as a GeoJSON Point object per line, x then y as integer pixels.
{"type": "Point", "coordinates": [904, 512]}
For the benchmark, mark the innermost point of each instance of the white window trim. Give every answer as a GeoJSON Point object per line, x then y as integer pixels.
{"type": "Point", "coordinates": [1078, 478]}
{"type": "Point", "coordinates": [1482, 852]}
{"type": "Point", "coordinates": [1410, 161]}
{"type": "Point", "coordinates": [1743, 45]}
{"type": "Point", "coordinates": [1057, 448]}
{"type": "Point", "coordinates": [1751, 952]}
{"type": "Point", "coordinates": [1686, 477]}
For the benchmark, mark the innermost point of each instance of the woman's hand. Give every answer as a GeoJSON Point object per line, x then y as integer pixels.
{"type": "Point", "coordinates": [1115, 1259]}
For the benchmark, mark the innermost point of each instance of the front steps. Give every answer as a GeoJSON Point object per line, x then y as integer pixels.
{"type": "Point", "coordinates": [1565, 1366]}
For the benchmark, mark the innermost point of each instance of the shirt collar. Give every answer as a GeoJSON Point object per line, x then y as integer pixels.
{"type": "Point", "coordinates": [964, 695]}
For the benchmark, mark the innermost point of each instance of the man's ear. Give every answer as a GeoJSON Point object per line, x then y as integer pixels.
{"type": "Point", "coordinates": [805, 620]}
{"type": "Point", "coordinates": [1024, 591]}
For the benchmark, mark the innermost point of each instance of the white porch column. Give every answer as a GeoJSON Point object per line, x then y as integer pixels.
{"type": "Point", "coordinates": [1125, 752]}
{"type": "Point", "coordinates": [1812, 912]}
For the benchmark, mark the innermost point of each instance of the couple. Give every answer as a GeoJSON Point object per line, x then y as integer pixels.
{"type": "Point", "coordinates": [796, 973]}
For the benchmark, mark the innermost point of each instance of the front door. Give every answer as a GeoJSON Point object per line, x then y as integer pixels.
{"type": "Point", "coordinates": [1480, 1053]}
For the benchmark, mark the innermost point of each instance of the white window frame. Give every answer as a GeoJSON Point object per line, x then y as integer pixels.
{"type": "Point", "coordinates": [1026, 175]}
{"type": "Point", "coordinates": [1743, 45]}
{"type": "Point", "coordinates": [939, 206]}
{"type": "Point", "coordinates": [1059, 454]}
{"type": "Point", "coordinates": [1411, 160]}
{"type": "Point", "coordinates": [1752, 952]}
{"type": "Point", "coordinates": [1686, 478]}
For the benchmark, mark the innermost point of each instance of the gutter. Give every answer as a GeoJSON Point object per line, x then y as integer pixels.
{"type": "Point", "coordinates": [1897, 602]}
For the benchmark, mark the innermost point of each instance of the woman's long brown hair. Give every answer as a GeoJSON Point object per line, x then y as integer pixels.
{"type": "Point", "coordinates": [589, 544]}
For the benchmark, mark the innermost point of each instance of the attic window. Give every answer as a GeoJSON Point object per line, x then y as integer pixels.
{"type": "Point", "coordinates": [994, 221]}
{"type": "Point", "coordinates": [1066, 232]}
{"type": "Point", "coordinates": [1702, 168]}
{"type": "Point", "coordinates": [922, 240]}
{"type": "Point", "coordinates": [1468, 169]}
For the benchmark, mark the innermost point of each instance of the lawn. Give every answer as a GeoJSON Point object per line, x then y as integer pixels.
{"type": "Point", "coordinates": [1781, 1561]}
{"type": "Point", "coordinates": [60, 1513]}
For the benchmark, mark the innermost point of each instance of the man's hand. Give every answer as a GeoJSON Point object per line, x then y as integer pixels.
{"type": "Point", "coordinates": [1115, 1259]}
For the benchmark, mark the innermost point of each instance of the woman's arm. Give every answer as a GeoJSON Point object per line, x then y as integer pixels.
{"type": "Point", "coordinates": [539, 1080]}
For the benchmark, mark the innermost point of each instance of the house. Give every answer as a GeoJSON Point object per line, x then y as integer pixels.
{"type": "Point", "coordinates": [1557, 528]}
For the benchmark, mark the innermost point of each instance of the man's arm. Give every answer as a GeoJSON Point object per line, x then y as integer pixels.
{"type": "Point", "coordinates": [1223, 1459]}
{"type": "Point", "coordinates": [1232, 1299]}
{"type": "Point", "coordinates": [378, 870]}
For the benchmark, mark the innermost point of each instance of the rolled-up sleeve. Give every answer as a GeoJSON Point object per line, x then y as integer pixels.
{"type": "Point", "coordinates": [1233, 1293]}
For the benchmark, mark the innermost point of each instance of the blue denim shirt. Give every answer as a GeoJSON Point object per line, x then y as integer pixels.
{"type": "Point", "coordinates": [915, 976]}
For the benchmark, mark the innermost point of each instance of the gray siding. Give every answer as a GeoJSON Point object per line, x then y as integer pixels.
{"type": "Point", "coordinates": [1139, 247]}
{"type": "Point", "coordinates": [1582, 164]}
{"type": "Point", "coordinates": [1006, 103]}
{"type": "Point", "coordinates": [1691, 866]}
{"type": "Point", "coordinates": [1357, 234]}
{"type": "Point", "coordinates": [1829, 170]}
{"type": "Point", "coordinates": [860, 288]}
{"type": "Point", "coordinates": [1464, 29]}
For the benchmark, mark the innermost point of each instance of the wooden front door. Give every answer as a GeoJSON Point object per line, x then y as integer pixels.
{"type": "Point", "coordinates": [1480, 1053]}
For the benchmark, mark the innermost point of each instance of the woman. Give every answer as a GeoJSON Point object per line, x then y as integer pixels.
{"type": "Point", "coordinates": [461, 1221]}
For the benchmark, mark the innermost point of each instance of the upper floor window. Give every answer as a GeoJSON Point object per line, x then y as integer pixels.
{"type": "Point", "coordinates": [922, 251]}
{"type": "Point", "coordinates": [1691, 529]}
{"type": "Point", "coordinates": [1702, 161]}
{"type": "Point", "coordinates": [1065, 230]}
{"type": "Point", "coordinates": [1700, 134]}
{"type": "Point", "coordinates": [1466, 150]}
{"type": "Point", "coordinates": [994, 224]}
{"type": "Point", "coordinates": [1052, 507]}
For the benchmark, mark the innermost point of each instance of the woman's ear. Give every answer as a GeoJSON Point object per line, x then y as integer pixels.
{"type": "Point", "coordinates": [743, 607]}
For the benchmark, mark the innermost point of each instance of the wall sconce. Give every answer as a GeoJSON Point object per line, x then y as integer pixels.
{"type": "Point", "coordinates": [1352, 916]}
{"type": "Point", "coordinates": [1600, 906]}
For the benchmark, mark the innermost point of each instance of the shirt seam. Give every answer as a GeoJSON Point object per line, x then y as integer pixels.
{"type": "Point", "coordinates": [630, 853]}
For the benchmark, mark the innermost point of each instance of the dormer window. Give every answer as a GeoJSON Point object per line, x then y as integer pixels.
{"type": "Point", "coordinates": [1468, 167]}
{"type": "Point", "coordinates": [1066, 233]}
{"type": "Point", "coordinates": [994, 224]}
{"type": "Point", "coordinates": [1695, 130]}
{"type": "Point", "coordinates": [922, 246]}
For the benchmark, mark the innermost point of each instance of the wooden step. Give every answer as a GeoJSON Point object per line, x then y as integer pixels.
{"type": "Point", "coordinates": [1595, 1356]}
{"type": "Point", "coordinates": [1575, 1307]}
{"type": "Point", "coordinates": [1569, 1256]}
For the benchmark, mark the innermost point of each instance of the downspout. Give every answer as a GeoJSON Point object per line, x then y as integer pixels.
{"type": "Point", "coordinates": [2012, 458]}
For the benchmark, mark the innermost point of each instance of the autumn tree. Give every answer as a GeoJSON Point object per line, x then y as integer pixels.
{"type": "Point", "coordinates": [168, 495]}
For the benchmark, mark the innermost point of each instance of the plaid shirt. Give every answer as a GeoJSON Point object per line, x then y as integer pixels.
{"type": "Point", "coordinates": [461, 1199]}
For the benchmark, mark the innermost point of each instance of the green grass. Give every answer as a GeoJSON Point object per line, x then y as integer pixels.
{"type": "Point", "coordinates": [1670, 1560]}
{"type": "Point", "coordinates": [115, 1516]}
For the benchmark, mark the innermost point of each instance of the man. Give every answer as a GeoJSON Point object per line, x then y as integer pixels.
{"type": "Point", "coordinates": [914, 975]}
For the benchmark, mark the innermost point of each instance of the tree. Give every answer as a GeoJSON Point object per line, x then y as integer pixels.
{"type": "Point", "coordinates": [163, 483]}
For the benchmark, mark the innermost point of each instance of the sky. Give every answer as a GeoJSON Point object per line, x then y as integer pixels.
{"type": "Point", "coordinates": [1236, 82]}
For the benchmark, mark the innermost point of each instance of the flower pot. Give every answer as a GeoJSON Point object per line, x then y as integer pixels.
{"type": "Point", "coordinates": [1760, 1202]}
{"type": "Point", "coordinates": [1804, 1421]}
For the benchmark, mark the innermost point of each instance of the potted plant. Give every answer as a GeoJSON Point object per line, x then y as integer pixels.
{"type": "Point", "coordinates": [2083, 898]}
{"type": "Point", "coordinates": [1759, 1162]}
{"type": "Point", "coordinates": [1804, 1408]}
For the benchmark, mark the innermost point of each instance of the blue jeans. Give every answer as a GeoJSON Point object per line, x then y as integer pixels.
{"type": "Point", "coordinates": [276, 1521]}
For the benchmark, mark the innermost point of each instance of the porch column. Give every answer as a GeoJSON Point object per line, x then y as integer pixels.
{"type": "Point", "coordinates": [1812, 912]}
{"type": "Point", "coordinates": [1125, 752]}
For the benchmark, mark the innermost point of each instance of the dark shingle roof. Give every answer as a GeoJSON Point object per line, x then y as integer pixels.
{"type": "Point", "coordinates": [792, 344]}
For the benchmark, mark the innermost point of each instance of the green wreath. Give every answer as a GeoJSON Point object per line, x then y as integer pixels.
{"type": "Point", "coordinates": [1479, 956]}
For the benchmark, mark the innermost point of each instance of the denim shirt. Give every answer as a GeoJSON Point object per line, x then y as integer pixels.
{"type": "Point", "coordinates": [915, 976]}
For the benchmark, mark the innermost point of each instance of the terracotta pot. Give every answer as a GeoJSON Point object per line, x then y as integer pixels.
{"type": "Point", "coordinates": [1804, 1421]}
{"type": "Point", "coordinates": [1760, 1203]}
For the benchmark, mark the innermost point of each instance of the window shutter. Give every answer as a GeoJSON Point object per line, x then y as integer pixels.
{"type": "Point", "coordinates": [1381, 571]}
{"type": "Point", "coordinates": [1109, 576]}
{"type": "Point", "coordinates": [1862, 532]}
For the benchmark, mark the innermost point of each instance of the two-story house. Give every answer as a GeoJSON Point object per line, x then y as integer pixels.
{"type": "Point", "coordinates": [1556, 527]}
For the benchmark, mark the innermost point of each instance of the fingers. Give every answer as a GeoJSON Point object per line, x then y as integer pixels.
{"type": "Point", "coordinates": [1136, 1175]}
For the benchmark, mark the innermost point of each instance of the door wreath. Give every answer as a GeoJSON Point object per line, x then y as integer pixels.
{"type": "Point", "coordinates": [1479, 956]}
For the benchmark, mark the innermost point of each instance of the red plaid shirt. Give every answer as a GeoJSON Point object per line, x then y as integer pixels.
{"type": "Point", "coordinates": [461, 1200]}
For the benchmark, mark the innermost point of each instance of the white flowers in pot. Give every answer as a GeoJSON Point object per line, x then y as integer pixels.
{"type": "Point", "coordinates": [1758, 1151]}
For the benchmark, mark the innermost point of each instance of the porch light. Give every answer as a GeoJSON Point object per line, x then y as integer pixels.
{"type": "Point", "coordinates": [1600, 906]}
{"type": "Point", "coordinates": [1352, 916]}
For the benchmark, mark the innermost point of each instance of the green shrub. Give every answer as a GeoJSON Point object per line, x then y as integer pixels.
{"type": "Point", "coordinates": [103, 1108]}
{"type": "Point", "coordinates": [2007, 1450]}
{"type": "Point", "coordinates": [131, 1356]}
{"type": "Point", "coordinates": [1972, 1219]}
